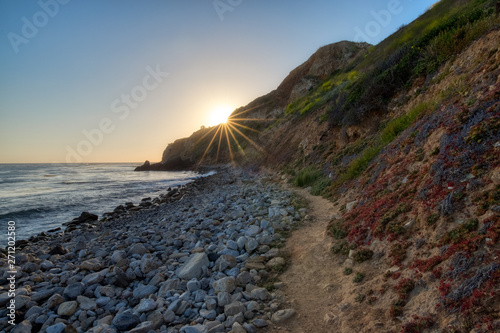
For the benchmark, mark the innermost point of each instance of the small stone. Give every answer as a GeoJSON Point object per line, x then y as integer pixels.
{"type": "Point", "coordinates": [393, 269]}
{"type": "Point", "coordinates": [54, 301]}
{"type": "Point", "coordinates": [226, 261]}
{"type": "Point", "coordinates": [194, 329]}
{"type": "Point", "coordinates": [227, 284]}
{"type": "Point", "coordinates": [208, 314]}
{"type": "Point", "coordinates": [231, 244]}
{"type": "Point", "coordinates": [349, 263]}
{"type": "Point", "coordinates": [93, 278]}
{"type": "Point", "coordinates": [255, 265]}
{"type": "Point", "coordinates": [148, 264]}
{"type": "Point", "coordinates": [350, 206]}
{"type": "Point", "coordinates": [73, 290]}
{"type": "Point", "coordinates": [126, 321]}
{"type": "Point", "coordinates": [30, 267]}
{"type": "Point", "coordinates": [252, 231]}
{"type": "Point", "coordinates": [67, 308]}
{"type": "Point", "coordinates": [276, 263]}
{"type": "Point", "coordinates": [241, 243]}
{"type": "Point", "coordinates": [282, 315]}
{"type": "Point", "coordinates": [244, 278]}
{"type": "Point", "coordinates": [146, 305]}
{"type": "Point", "coordinates": [91, 265]}
{"type": "Point", "coordinates": [143, 327]}
{"type": "Point", "coordinates": [46, 265]}
{"type": "Point", "coordinates": [57, 328]}
{"type": "Point", "coordinates": [234, 309]}
{"type": "Point", "coordinates": [86, 303]}
{"type": "Point", "coordinates": [250, 328]}
{"type": "Point", "coordinates": [118, 256]}
{"type": "Point", "coordinates": [169, 316]}
{"type": "Point", "coordinates": [138, 248]}
{"type": "Point", "coordinates": [193, 285]}
{"type": "Point", "coordinates": [260, 294]}
{"type": "Point", "coordinates": [33, 311]}
{"type": "Point", "coordinates": [58, 249]}
{"type": "Point", "coordinates": [102, 301]}
{"type": "Point", "coordinates": [23, 327]}
{"type": "Point", "coordinates": [223, 298]}
{"type": "Point", "coordinates": [4, 298]}
{"type": "Point", "coordinates": [237, 328]}
{"type": "Point", "coordinates": [259, 323]}
{"type": "Point", "coordinates": [143, 291]}
{"type": "Point", "coordinates": [21, 301]}
{"type": "Point", "coordinates": [251, 245]}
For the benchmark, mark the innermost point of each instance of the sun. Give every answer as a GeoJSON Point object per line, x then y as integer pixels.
{"type": "Point", "coordinates": [219, 115]}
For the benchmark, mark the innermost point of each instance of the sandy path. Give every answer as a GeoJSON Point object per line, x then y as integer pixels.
{"type": "Point", "coordinates": [312, 277]}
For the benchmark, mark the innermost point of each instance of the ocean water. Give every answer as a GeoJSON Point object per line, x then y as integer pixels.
{"type": "Point", "coordinates": [39, 197]}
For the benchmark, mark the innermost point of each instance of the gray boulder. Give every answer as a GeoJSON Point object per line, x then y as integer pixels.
{"type": "Point", "coordinates": [192, 269]}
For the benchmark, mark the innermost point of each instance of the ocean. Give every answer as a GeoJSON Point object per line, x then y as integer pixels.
{"type": "Point", "coordinates": [40, 197]}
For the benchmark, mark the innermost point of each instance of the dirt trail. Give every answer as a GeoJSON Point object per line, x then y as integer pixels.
{"type": "Point", "coordinates": [312, 277]}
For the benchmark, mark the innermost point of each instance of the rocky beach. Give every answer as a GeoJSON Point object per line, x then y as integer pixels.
{"type": "Point", "coordinates": [202, 257]}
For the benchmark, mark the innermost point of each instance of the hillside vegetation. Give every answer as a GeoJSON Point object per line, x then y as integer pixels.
{"type": "Point", "coordinates": [405, 137]}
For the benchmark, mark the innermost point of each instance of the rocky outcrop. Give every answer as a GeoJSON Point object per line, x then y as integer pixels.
{"type": "Point", "coordinates": [323, 63]}
{"type": "Point", "coordinates": [320, 65]}
{"type": "Point", "coordinates": [173, 164]}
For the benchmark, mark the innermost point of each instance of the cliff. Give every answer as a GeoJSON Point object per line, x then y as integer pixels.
{"type": "Point", "coordinates": [404, 137]}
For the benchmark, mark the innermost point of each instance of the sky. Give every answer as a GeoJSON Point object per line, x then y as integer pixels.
{"type": "Point", "coordinates": [117, 80]}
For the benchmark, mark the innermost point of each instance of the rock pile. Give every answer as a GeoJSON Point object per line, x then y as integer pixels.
{"type": "Point", "coordinates": [195, 264]}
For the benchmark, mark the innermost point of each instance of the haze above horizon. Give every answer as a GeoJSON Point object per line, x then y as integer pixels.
{"type": "Point", "coordinates": [93, 81]}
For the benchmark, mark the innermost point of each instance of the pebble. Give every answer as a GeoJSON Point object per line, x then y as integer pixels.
{"type": "Point", "coordinates": [67, 308]}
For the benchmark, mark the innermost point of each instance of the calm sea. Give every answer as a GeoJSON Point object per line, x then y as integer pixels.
{"type": "Point", "coordinates": [39, 197]}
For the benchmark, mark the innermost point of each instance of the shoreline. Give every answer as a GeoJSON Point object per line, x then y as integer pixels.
{"type": "Point", "coordinates": [193, 260]}
{"type": "Point", "coordinates": [89, 218]}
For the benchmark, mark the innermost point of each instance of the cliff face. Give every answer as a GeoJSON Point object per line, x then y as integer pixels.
{"type": "Point", "coordinates": [266, 109]}
{"type": "Point", "coordinates": [405, 136]}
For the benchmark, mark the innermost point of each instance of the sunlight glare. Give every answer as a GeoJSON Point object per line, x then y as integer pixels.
{"type": "Point", "coordinates": [219, 115]}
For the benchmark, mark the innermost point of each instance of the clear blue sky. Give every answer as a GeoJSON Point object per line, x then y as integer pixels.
{"type": "Point", "coordinates": [117, 80]}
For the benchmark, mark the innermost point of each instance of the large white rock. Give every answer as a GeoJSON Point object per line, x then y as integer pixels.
{"type": "Point", "coordinates": [192, 269]}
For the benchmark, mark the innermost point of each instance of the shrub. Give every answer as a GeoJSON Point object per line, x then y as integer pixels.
{"type": "Point", "coordinates": [307, 177]}
{"type": "Point", "coordinates": [340, 248]}
{"type": "Point", "coordinates": [358, 277]}
{"type": "Point", "coordinates": [363, 255]}
{"type": "Point", "coordinates": [404, 288]}
{"type": "Point", "coordinates": [320, 185]}
{"type": "Point", "coordinates": [458, 234]}
{"type": "Point", "coordinates": [348, 271]}
{"type": "Point", "coordinates": [396, 309]}
{"type": "Point", "coordinates": [398, 125]}
{"type": "Point", "coordinates": [337, 230]}
{"type": "Point", "coordinates": [360, 298]}
{"type": "Point", "coordinates": [432, 219]}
